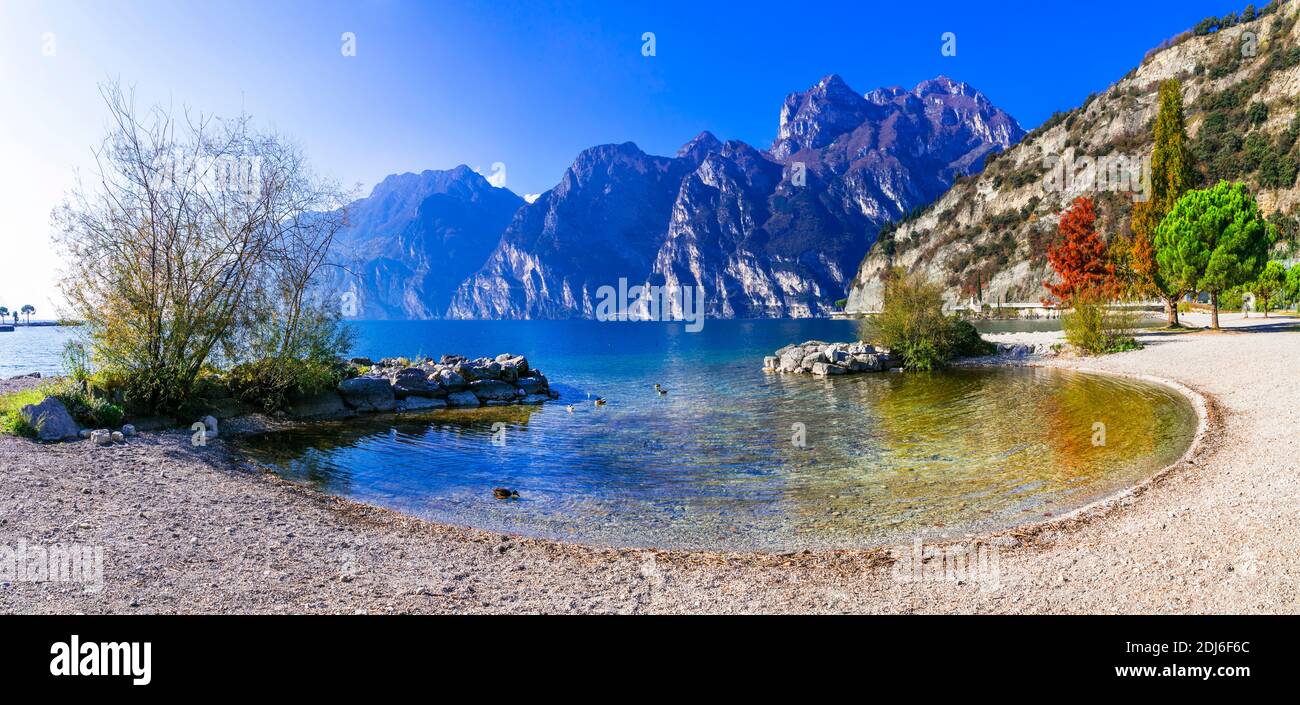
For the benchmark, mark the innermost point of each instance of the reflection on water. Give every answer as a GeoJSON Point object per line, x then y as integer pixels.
{"type": "Point", "coordinates": [713, 465]}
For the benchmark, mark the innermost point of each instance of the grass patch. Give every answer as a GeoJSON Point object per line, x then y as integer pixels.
{"type": "Point", "coordinates": [86, 408]}
{"type": "Point", "coordinates": [11, 422]}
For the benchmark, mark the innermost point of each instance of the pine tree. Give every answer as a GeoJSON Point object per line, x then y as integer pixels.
{"type": "Point", "coordinates": [1270, 285]}
{"type": "Point", "coordinates": [1213, 240]}
{"type": "Point", "coordinates": [1171, 177]}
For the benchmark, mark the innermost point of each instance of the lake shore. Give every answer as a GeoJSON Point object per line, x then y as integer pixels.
{"type": "Point", "coordinates": [189, 529]}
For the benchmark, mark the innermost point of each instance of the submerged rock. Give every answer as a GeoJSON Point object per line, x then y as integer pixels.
{"type": "Point", "coordinates": [421, 403]}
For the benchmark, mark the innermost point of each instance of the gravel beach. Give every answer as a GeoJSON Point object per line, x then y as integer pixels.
{"type": "Point", "coordinates": [193, 530]}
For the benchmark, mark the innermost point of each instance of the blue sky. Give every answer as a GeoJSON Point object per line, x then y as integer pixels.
{"type": "Point", "coordinates": [527, 84]}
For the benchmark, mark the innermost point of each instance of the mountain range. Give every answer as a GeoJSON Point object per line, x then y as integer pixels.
{"type": "Point", "coordinates": [776, 232]}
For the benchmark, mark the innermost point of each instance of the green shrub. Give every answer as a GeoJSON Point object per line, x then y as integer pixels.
{"type": "Point", "coordinates": [1093, 328]}
{"type": "Point", "coordinates": [76, 363]}
{"type": "Point", "coordinates": [965, 341]}
{"type": "Point", "coordinates": [87, 407]}
{"type": "Point", "coordinates": [271, 383]}
{"type": "Point", "coordinates": [913, 326]}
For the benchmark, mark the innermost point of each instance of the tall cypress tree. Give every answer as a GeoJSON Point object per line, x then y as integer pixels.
{"type": "Point", "coordinates": [1171, 177]}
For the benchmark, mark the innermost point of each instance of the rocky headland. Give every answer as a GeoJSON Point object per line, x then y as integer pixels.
{"type": "Point", "coordinates": [398, 384]}
{"type": "Point", "coordinates": [388, 385]}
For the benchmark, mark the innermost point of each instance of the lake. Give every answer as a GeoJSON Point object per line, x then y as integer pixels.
{"type": "Point", "coordinates": [732, 457]}
{"type": "Point", "coordinates": [34, 349]}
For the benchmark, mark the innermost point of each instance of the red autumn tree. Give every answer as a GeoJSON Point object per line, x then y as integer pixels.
{"type": "Point", "coordinates": [1079, 256]}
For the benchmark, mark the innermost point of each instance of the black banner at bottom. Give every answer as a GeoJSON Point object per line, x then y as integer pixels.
{"type": "Point", "coordinates": [610, 655]}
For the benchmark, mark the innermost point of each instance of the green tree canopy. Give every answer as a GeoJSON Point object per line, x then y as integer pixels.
{"type": "Point", "coordinates": [1212, 240]}
{"type": "Point", "coordinates": [1293, 283]}
{"type": "Point", "coordinates": [1270, 284]}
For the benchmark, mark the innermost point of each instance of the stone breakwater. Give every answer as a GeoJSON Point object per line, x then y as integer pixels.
{"type": "Point", "coordinates": [397, 384]}
{"type": "Point", "coordinates": [823, 359]}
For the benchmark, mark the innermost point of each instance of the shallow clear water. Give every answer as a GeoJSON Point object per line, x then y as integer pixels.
{"type": "Point", "coordinates": [713, 464]}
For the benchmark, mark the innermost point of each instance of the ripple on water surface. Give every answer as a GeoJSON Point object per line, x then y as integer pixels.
{"type": "Point", "coordinates": [715, 465]}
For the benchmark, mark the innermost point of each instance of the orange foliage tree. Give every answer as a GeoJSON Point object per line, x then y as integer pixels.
{"type": "Point", "coordinates": [1079, 256]}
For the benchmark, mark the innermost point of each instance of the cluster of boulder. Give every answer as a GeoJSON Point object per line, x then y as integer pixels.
{"type": "Point", "coordinates": [1029, 349]}
{"type": "Point", "coordinates": [106, 437]}
{"type": "Point", "coordinates": [396, 384]}
{"type": "Point", "coordinates": [819, 358]}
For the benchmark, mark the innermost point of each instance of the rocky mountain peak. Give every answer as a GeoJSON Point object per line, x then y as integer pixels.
{"type": "Point", "coordinates": [699, 147]}
{"type": "Point", "coordinates": [814, 118]}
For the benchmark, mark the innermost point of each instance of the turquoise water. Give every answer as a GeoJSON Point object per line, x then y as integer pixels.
{"type": "Point", "coordinates": [715, 463]}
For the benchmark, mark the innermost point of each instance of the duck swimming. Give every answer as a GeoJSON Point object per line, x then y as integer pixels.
{"type": "Point", "coordinates": [600, 402]}
{"type": "Point", "coordinates": [661, 390]}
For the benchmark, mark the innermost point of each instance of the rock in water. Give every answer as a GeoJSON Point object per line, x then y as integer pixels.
{"type": "Point", "coordinates": [368, 394]}
{"type": "Point", "coordinates": [51, 420]}
{"type": "Point", "coordinates": [414, 382]}
{"type": "Point", "coordinates": [462, 399]}
{"type": "Point", "coordinates": [492, 390]}
{"type": "Point", "coordinates": [422, 403]}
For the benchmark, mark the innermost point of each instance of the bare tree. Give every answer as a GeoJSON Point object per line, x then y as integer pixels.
{"type": "Point", "coordinates": [185, 225]}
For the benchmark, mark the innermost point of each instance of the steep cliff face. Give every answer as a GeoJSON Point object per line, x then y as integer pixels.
{"type": "Point", "coordinates": [604, 221]}
{"type": "Point", "coordinates": [986, 238]}
{"type": "Point", "coordinates": [758, 234]}
{"type": "Point", "coordinates": [416, 237]}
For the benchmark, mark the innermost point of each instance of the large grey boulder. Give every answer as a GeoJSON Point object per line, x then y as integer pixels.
{"type": "Point", "coordinates": [451, 380]}
{"type": "Point", "coordinates": [368, 394]}
{"type": "Point", "coordinates": [532, 385]}
{"type": "Point", "coordinates": [324, 403]}
{"type": "Point", "coordinates": [519, 362]}
{"type": "Point", "coordinates": [51, 420]}
{"type": "Point", "coordinates": [812, 358]}
{"type": "Point", "coordinates": [462, 399]}
{"type": "Point", "coordinates": [492, 390]}
{"type": "Point", "coordinates": [865, 363]}
{"type": "Point", "coordinates": [414, 382]}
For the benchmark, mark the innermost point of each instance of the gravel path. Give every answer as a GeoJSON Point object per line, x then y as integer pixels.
{"type": "Point", "coordinates": [187, 529]}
